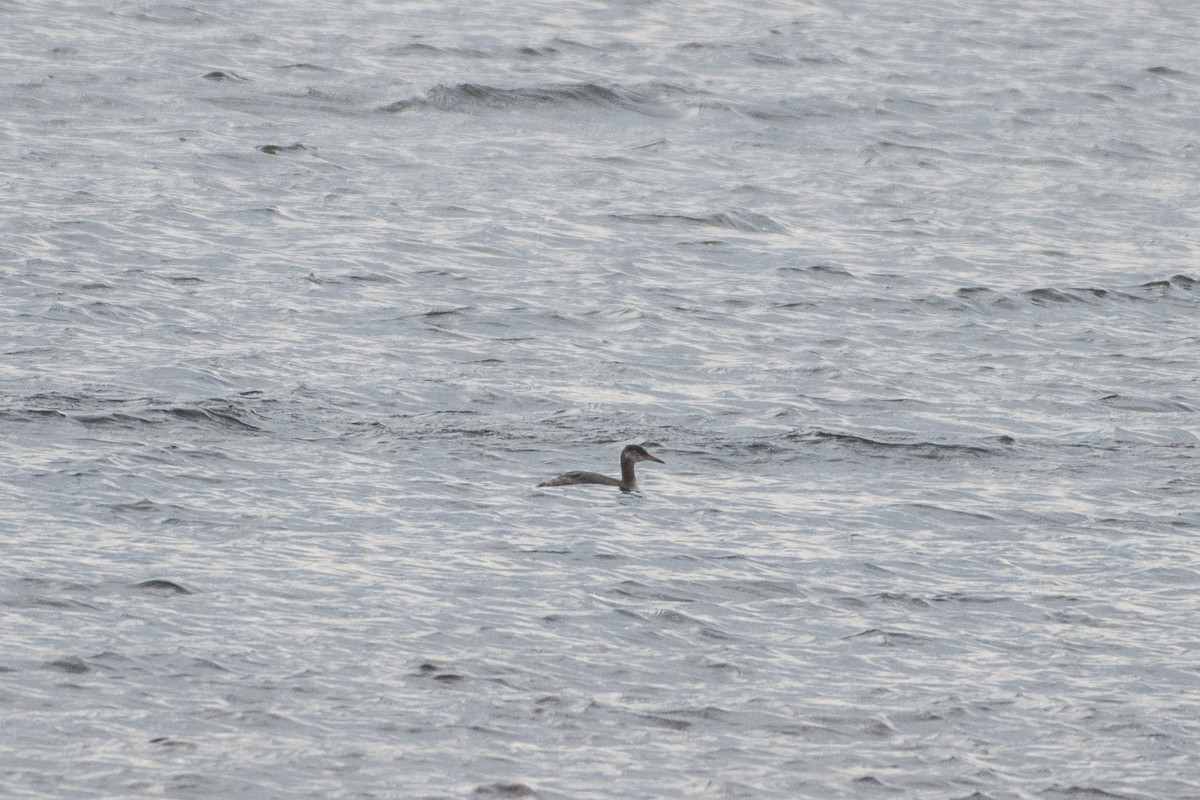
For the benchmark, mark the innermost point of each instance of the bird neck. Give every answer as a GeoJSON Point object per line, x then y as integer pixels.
{"type": "Point", "coordinates": [628, 479]}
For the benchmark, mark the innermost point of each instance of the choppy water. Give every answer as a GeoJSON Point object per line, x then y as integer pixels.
{"type": "Point", "coordinates": [300, 300]}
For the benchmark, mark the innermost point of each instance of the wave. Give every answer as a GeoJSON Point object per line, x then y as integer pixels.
{"type": "Point", "coordinates": [236, 413]}
{"type": "Point", "coordinates": [1150, 404]}
{"type": "Point", "coordinates": [1175, 287]}
{"type": "Point", "coordinates": [1178, 289]}
{"type": "Point", "coordinates": [161, 587]}
{"type": "Point", "coordinates": [476, 98]}
{"type": "Point", "coordinates": [742, 221]}
{"type": "Point", "coordinates": [1184, 282]}
{"type": "Point", "coordinates": [918, 449]}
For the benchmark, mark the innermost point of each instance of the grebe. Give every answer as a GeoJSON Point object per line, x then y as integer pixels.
{"type": "Point", "coordinates": [631, 455]}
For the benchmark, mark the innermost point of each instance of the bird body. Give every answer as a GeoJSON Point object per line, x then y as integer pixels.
{"type": "Point", "coordinates": [631, 455]}
{"type": "Point", "coordinates": [579, 476]}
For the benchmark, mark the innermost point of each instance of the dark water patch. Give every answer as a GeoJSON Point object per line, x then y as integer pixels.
{"type": "Point", "coordinates": [434, 672]}
{"type": "Point", "coordinates": [1169, 72]}
{"type": "Point", "coordinates": [41, 405]}
{"type": "Point", "coordinates": [603, 46]}
{"type": "Point", "coordinates": [98, 311]}
{"type": "Point", "coordinates": [665, 722]}
{"type": "Point", "coordinates": [872, 783]}
{"type": "Point", "coordinates": [931, 450]}
{"type": "Point", "coordinates": [45, 602]}
{"type": "Point", "coordinates": [617, 312]}
{"type": "Point", "coordinates": [1152, 404]}
{"type": "Point", "coordinates": [422, 50]}
{"type": "Point", "coordinates": [804, 730]}
{"type": "Point", "coordinates": [1182, 486]}
{"type": "Point", "coordinates": [483, 433]}
{"type": "Point", "coordinates": [223, 413]}
{"type": "Point", "coordinates": [654, 144]}
{"type": "Point", "coordinates": [445, 312]}
{"type": "Point", "coordinates": [98, 411]}
{"type": "Point", "coordinates": [30, 415]}
{"type": "Point", "coordinates": [886, 638]}
{"type": "Point", "coordinates": [475, 98]}
{"type": "Point", "coordinates": [1051, 296]}
{"type": "Point", "coordinates": [414, 48]}
{"type": "Point", "coordinates": [1045, 296]}
{"type": "Point", "coordinates": [884, 145]}
{"type": "Point", "coordinates": [1075, 618]}
{"type": "Point", "coordinates": [370, 277]}
{"type": "Point", "coordinates": [892, 153]}
{"type": "Point", "coordinates": [537, 52]}
{"type": "Point", "coordinates": [764, 588]}
{"type": "Point", "coordinates": [56, 584]}
{"type": "Point", "coordinates": [73, 665]}
{"type": "Point", "coordinates": [143, 506]}
{"type": "Point", "coordinates": [174, 14]}
{"type": "Point", "coordinates": [303, 67]}
{"type": "Point", "coordinates": [631, 588]}
{"type": "Point", "coordinates": [276, 149]}
{"type": "Point", "coordinates": [819, 270]}
{"type": "Point", "coordinates": [900, 598]}
{"type": "Point", "coordinates": [742, 221]}
{"type": "Point", "coordinates": [1182, 282]}
{"type": "Point", "coordinates": [1121, 150]}
{"type": "Point", "coordinates": [675, 618]}
{"type": "Point", "coordinates": [88, 286]}
{"type": "Point", "coordinates": [504, 790]}
{"type": "Point", "coordinates": [870, 726]}
{"type": "Point", "coordinates": [449, 424]}
{"type": "Point", "coordinates": [709, 713]}
{"type": "Point", "coordinates": [162, 588]}
{"type": "Point", "coordinates": [963, 597]}
{"type": "Point", "coordinates": [984, 295]}
{"type": "Point", "coordinates": [755, 451]}
{"type": "Point", "coordinates": [715, 634]}
{"type": "Point", "coordinates": [116, 418]}
{"type": "Point", "coordinates": [1086, 793]}
{"type": "Point", "coordinates": [804, 109]}
{"type": "Point", "coordinates": [949, 515]}
{"type": "Point", "coordinates": [173, 744]}
{"type": "Point", "coordinates": [772, 60]}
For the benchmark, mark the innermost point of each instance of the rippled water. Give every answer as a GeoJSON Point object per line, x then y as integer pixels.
{"type": "Point", "coordinates": [301, 300]}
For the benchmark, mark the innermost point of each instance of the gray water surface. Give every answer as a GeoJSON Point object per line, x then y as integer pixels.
{"type": "Point", "coordinates": [299, 302]}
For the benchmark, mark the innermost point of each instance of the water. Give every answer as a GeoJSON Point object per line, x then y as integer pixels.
{"type": "Point", "coordinates": [300, 300]}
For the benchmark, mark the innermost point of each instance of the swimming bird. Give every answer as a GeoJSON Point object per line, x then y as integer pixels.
{"type": "Point", "coordinates": [631, 455]}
